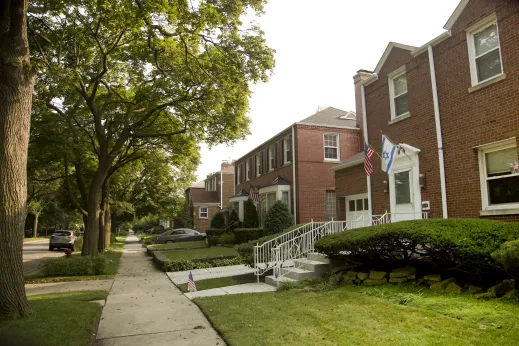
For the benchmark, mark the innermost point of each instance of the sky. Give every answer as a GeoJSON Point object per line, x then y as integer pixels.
{"type": "Point", "coordinates": [319, 47]}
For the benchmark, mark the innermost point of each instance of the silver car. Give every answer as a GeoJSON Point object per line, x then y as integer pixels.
{"type": "Point", "coordinates": [62, 240]}
{"type": "Point", "coordinates": [179, 235]}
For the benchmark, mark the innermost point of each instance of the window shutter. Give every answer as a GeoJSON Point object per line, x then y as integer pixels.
{"type": "Point", "coordinates": [275, 155]}
{"type": "Point", "coordinates": [236, 175]}
{"type": "Point", "coordinates": [250, 168]}
{"type": "Point", "coordinates": [267, 161]}
{"type": "Point", "coordinates": [289, 155]}
{"type": "Point", "coordinates": [261, 163]}
{"type": "Point", "coordinates": [283, 152]}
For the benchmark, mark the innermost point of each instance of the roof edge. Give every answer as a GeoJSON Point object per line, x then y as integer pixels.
{"type": "Point", "coordinates": [388, 50]}
{"type": "Point", "coordinates": [432, 42]}
{"type": "Point", "coordinates": [456, 14]}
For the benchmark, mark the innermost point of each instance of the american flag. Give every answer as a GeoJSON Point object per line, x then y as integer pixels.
{"type": "Point", "coordinates": [254, 194]}
{"type": "Point", "coordinates": [191, 283]}
{"type": "Point", "coordinates": [368, 153]}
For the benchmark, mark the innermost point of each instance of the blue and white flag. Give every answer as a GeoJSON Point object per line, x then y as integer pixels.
{"type": "Point", "coordinates": [388, 154]}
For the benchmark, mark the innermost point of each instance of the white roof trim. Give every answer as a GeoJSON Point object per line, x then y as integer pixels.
{"type": "Point", "coordinates": [432, 42]}
{"type": "Point", "coordinates": [347, 165]}
{"type": "Point", "coordinates": [390, 47]}
{"type": "Point", "coordinates": [455, 15]}
{"type": "Point", "coordinates": [331, 126]}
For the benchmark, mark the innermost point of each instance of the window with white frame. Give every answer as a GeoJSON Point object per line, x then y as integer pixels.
{"type": "Point", "coordinates": [204, 213]}
{"type": "Point", "coordinates": [331, 211]}
{"type": "Point", "coordinates": [331, 147]}
{"type": "Point", "coordinates": [238, 180]}
{"type": "Point", "coordinates": [287, 150]}
{"type": "Point", "coordinates": [484, 51]}
{"type": "Point", "coordinates": [398, 93]}
{"type": "Point", "coordinates": [285, 198]}
{"type": "Point", "coordinates": [272, 157]}
{"type": "Point", "coordinates": [259, 160]}
{"type": "Point", "coordinates": [499, 184]}
{"type": "Point", "coordinates": [247, 170]}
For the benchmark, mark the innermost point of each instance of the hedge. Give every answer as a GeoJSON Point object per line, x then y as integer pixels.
{"type": "Point", "coordinates": [508, 257]}
{"type": "Point", "coordinates": [278, 218]}
{"type": "Point", "coordinates": [464, 245]}
{"type": "Point", "coordinates": [241, 235]}
{"type": "Point", "coordinates": [74, 266]}
{"type": "Point", "coordinates": [182, 265]}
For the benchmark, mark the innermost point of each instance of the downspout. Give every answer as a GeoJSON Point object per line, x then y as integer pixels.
{"type": "Point", "coordinates": [439, 138]}
{"type": "Point", "coordinates": [294, 172]}
{"type": "Point", "coordinates": [365, 134]}
{"type": "Point", "coordinates": [221, 191]}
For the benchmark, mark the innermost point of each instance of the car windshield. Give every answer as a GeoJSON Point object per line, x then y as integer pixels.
{"type": "Point", "coordinates": [61, 234]}
{"type": "Point", "coordinates": [187, 230]}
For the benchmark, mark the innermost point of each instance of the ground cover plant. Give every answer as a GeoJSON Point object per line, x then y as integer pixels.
{"type": "Point", "coordinates": [351, 315]}
{"type": "Point", "coordinates": [67, 318]}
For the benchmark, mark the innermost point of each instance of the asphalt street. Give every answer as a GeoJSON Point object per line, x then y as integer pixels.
{"type": "Point", "coordinates": [34, 252]}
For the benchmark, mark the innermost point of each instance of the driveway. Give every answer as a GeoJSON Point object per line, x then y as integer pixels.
{"type": "Point", "coordinates": [34, 252]}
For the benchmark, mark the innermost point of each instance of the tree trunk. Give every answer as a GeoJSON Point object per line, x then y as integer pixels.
{"type": "Point", "coordinates": [35, 226]}
{"type": "Point", "coordinates": [103, 228]}
{"type": "Point", "coordinates": [108, 225]}
{"type": "Point", "coordinates": [16, 86]}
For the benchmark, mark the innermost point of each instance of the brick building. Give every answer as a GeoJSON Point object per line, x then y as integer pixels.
{"type": "Point", "coordinates": [295, 166]}
{"type": "Point", "coordinates": [205, 199]}
{"type": "Point", "coordinates": [453, 107]}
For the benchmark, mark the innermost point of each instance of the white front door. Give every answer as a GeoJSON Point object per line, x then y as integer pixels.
{"type": "Point", "coordinates": [357, 210]}
{"type": "Point", "coordinates": [404, 196]}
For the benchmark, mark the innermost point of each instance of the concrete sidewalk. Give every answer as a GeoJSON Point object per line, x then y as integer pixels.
{"type": "Point", "coordinates": [144, 308]}
{"type": "Point", "coordinates": [179, 278]}
{"type": "Point", "coordinates": [236, 289]}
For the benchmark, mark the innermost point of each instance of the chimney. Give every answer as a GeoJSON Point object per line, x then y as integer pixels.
{"type": "Point", "coordinates": [361, 75]}
{"type": "Point", "coordinates": [226, 163]}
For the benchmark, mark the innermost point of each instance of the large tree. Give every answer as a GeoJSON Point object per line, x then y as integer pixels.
{"type": "Point", "coordinates": [16, 86]}
{"type": "Point", "coordinates": [142, 75]}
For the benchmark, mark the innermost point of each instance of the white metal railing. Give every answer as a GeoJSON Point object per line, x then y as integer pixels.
{"type": "Point", "coordinates": [297, 244]}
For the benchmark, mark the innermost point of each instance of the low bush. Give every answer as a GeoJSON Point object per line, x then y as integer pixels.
{"type": "Point", "coordinates": [243, 235]}
{"type": "Point", "coordinates": [250, 215]}
{"type": "Point", "coordinates": [227, 239]}
{"type": "Point", "coordinates": [78, 244]}
{"type": "Point", "coordinates": [278, 218]}
{"type": "Point", "coordinates": [233, 236]}
{"type": "Point", "coordinates": [508, 257]}
{"type": "Point", "coordinates": [218, 221]}
{"type": "Point", "coordinates": [213, 235]}
{"type": "Point", "coordinates": [463, 245]}
{"type": "Point", "coordinates": [74, 266]}
{"type": "Point", "coordinates": [234, 220]}
{"type": "Point", "coordinates": [182, 265]}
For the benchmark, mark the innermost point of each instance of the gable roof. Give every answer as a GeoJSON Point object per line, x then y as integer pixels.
{"type": "Point", "coordinates": [455, 15]}
{"type": "Point", "coordinates": [199, 196]}
{"type": "Point", "coordinates": [241, 193]}
{"type": "Point", "coordinates": [331, 117]}
{"type": "Point", "coordinates": [388, 50]}
{"type": "Point", "coordinates": [351, 161]}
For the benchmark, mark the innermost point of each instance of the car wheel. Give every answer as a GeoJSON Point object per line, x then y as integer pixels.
{"type": "Point", "coordinates": [169, 241]}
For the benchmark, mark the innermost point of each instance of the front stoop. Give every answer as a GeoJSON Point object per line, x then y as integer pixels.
{"type": "Point", "coordinates": [314, 266]}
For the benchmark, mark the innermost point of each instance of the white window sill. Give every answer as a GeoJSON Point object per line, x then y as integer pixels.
{"type": "Point", "coordinates": [399, 118]}
{"type": "Point", "coordinates": [332, 160]}
{"type": "Point", "coordinates": [204, 218]}
{"type": "Point", "coordinates": [487, 83]}
{"type": "Point", "coordinates": [504, 211]}
{"type": "Point", "coordinates": [287, 164]}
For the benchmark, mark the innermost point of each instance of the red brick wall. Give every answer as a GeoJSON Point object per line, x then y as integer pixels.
{"type": "Point", "coordinates": [315, 176]}
{"type": "Point", "coordinates": [349, 181]}
{"type": "Point", "coordinates": [228, 188]}
{"type": "Point", "coordinates": [203, 224]}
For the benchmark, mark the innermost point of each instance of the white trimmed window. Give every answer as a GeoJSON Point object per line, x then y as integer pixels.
{"type": "Point", "coordinates": [331, 147]}
{"type": "Point", "coordinates": [272, 158]}
{"type": "Point", "coordinates": [204, 213]}
{"type": "Point", "coordinates": [247, 170]}
{"type": "Point", "coordinates": [287, 150]}
{"type": "Point", "coordinates": [259, 160]}
{"type": "Point", "coordinates": [499, 186]}
{"type": "Point", "coordinates": [484, 51]}
{"type": "Point", "coordinates": [238, 180]}
{"type": "Point", "coordinates": [331, 211]}
{"type": "Point", "coordinates": [398, 93]}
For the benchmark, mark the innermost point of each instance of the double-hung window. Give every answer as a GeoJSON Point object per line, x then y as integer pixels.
{"type": "Point", "coordinates": [239, 174]}
{"type": "Point", "coordinates": [484, 51]}
{"type": "Point", "coordinates": [259, 160]}
{"type": "Point", "coordinates": [204, 213]}
{"type": "Point", "coordinates": [287, 150]}
{"type": "Point", "coordinates": [272, 157]}
{"type": "Point", "coordinates": [499, 184]}
{"type": "Point", "coordinates": [331, 147]}
{"type": "Point", "coordinates": [247, 170]}
{"type": "Point", "coordinates": [398, 93]}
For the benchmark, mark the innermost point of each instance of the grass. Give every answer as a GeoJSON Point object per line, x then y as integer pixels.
{"type": "Point", "coordinates": [388, 315]}
{"type": "Point", "coordinates": [58, 319]}
{"type": "Point", "coordinates": [113, 255]}
{"type": "Point", "coordinates": [193, 254]}
{"type": "Point", "coordinates": [182, 245]}
{"type": "Point", "coordinates": [29, 240]}
{"type": "Point", "coordinates": [220, 282]}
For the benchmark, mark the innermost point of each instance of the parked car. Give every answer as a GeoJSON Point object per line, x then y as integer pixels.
{"type": "Point", "coordinates": [179, 235]}
{"type": "Point", "coordinates": [62, 240]}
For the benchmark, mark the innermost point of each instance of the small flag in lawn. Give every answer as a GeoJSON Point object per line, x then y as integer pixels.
{"type": "Point", "coordinates": [254, 194]}
{"type": "Point", "coordinates": [191, 283]}
{"type": "Point", "coordinates": [368, 153]}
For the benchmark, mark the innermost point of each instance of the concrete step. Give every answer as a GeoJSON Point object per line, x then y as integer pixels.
{"type": "Point", "coordinates": [299, 274]}
{"type": "Point", "coordinates": [271, 280]}
{"type": "Point", "coordinates": [315, 256]}
{"type": "Point", "coordinates": [316, 266]}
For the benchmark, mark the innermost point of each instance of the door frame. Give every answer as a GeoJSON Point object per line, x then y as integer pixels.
{"type": "Point", "coordinates": [403, 162]}
{"type": "Point", "coordinates": [362, 196]}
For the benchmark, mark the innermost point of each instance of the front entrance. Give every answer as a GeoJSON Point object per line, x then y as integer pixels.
{"type": "Point", "coordinates": [357, 210]}
{"type": "Point", "coordinates": [404, 186]}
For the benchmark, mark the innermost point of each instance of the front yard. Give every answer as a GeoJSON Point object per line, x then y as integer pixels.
{"type": "Point", "coordinates": [350, 315]}
{"type": "Point", "coordinates": [197, 254]}
{"type": "Point", "coordinates": [57, 319]}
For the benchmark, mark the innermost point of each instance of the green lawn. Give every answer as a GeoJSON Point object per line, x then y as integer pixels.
{"type": "Point", "coordinates": [182, 245]}
{"type": "Point", "coordinates": [389, 315]}
{"type": "Point", "coordinates": [210, 252]}
{"type": "Point", "coordinates": [28, 240]}
{"type": "Point", "coordinates": [57, 319]}
{"type": "Point", "coordinates": [113, 255]}
{"type": "Point", "coordinates": [220, 282]}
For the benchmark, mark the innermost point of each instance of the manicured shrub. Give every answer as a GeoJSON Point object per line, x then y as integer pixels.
{"type": "Point", "coordinates": [508, 256]}
{"type": "Point", "coordinates": [278, 218]}
{"type": "Point", "coordinates": [218, 221]}
{"type": "Point", "coordinates": [464, 245]}
{"type": "Point", "coordinates": [182, 265]}
{"type": "Point", "coordinates": [243, 235]}
{"type": "Point", "coordinates": [250, 216]}
{"type": "Point", "coordinates": [227, 239]}
{"type": "Point", "coordinates": [213, 235]}
{"type": "Point", "coordinates": [234, 220]}
{"type": "Point", "coordinates": [74, 266]}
